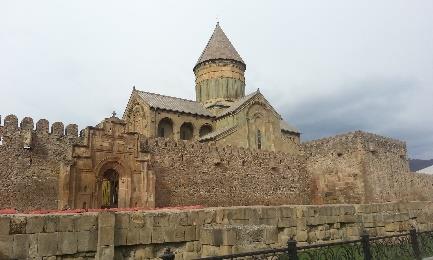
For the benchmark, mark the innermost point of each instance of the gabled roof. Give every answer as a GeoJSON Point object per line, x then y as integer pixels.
{"type": "Point", "coordinates": [219, 47]}
{"type": "Point", "coordinates": [288, 128]}
{"type": "Point", "coordinates": [238, 104]}
{"type": "Point", "coordinates": [173, 104]}
{"type": "Point", "coordinates": [221, 132]}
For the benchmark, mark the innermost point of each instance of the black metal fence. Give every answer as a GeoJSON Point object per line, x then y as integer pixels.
{"type": "Point", "coordinates": [411, 245]}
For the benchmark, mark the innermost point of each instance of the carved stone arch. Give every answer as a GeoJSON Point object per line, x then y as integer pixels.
{"type": "Point", "coordinates": [113, 164]}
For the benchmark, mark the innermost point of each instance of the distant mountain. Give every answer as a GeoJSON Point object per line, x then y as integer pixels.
{"type": "Point", "coordinates": [417, 164]}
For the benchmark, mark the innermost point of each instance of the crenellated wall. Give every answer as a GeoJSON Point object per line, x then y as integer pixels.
{"type": "Point", "coordinates": [30, 160]}
{"type": "Point", "coordinates": [49, 169]}
{"type": "Point", "coordinates": [189, 173]}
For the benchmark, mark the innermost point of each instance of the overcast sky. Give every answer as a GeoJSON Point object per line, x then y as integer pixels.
{"type": "Point", "coordinates": [327, 66]}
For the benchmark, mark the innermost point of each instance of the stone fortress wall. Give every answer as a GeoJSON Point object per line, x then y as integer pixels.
{"type": "Point", "coordinates": [356, 167]}
{"type": "Point", "coordinates": [193, 233]}
{"type": "Point", "coordinates": [30, 161]}
{"type": "Point", "coordinates": [360, 167]}
{"type": "Point", "coordinates": [192, 173]}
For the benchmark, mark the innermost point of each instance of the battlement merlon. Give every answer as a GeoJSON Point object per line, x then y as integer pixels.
{"type": "Point", "coordinates": [25, 132]}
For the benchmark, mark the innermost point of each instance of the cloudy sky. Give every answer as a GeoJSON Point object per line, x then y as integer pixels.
{"type": "Point", "coordinates": [327, 66]}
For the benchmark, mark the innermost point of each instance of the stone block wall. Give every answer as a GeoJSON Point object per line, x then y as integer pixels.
{"type": "Point", "coordinates": [189, 173]}
{"type": "Point", "coordinates": [362, 167]}
{"type": "Point", "coordinates": [30, 159]}
{"type": "Point", "coordinates": [387, 174]}
{"type": "Point", "coordinates": [45, 236]}
{"type": "Point", "coordinates": [335, 164]}
{"type": "Point", "coordinates": [193, 233]}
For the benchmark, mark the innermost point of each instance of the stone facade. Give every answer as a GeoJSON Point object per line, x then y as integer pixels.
{"type": "Point", "coordinates": [194, 233]}
{"type": "Point", "coordinates": [222, 113]}
{"type": "Point", "coordinates": [105, 148]}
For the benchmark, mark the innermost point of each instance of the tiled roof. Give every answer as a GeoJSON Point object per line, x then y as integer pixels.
{"type": "Point", "coordinates": [238, 104]}
{"type": "Point", "coordinates": [287, 127]}
{"type": "Point", "coordinates": [219, 47]}
{"type": "Point", "coordinates": [174, 104]}
{"type": "Point", "coordinates": [217, 133]}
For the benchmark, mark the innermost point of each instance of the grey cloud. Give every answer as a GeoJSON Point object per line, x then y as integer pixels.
{"type": "Point", "coordinates": [374, 105]}
{"type": "Point", "coordinates": [76, 61]}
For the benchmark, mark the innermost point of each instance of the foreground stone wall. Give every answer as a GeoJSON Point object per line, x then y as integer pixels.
{"type": "Point", "coordinates": [193, 233]}
{"type": "Point", "coordinates": [203, 174]}
{"type": "Point", "coordinates": [30, 160]}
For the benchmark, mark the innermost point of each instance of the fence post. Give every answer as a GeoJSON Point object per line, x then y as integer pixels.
{"type": "Point", "coordinates": [365, 241]}
{"type": "Point", "coordinates": [414, 242]}
{"type": "Point", "coordinates": [292, 250]}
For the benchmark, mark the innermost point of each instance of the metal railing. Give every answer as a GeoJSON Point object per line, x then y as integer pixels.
{"type": "Point", "coordinates": [411, 245]}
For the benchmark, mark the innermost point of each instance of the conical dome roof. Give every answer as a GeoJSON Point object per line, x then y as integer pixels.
{"type": "Point", "coordinates": [219, 47]}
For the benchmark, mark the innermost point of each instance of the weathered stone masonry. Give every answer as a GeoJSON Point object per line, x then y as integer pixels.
{"type": "Point", "coordinates": [204, 174]}
{"type": "Point", "coordinates": [152, 171]}
{"type": "Point", "coordinates": [58, 169]}
{"type": "Point", "coordinates": [30, 162]}
{"type": "Point", "coordinates": [200, 232]}
{"type": "Point", "coordinates": [360, 167]}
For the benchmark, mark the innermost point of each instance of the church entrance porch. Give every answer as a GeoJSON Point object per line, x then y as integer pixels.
{"type": "Point", "coordinates": [108, 170]}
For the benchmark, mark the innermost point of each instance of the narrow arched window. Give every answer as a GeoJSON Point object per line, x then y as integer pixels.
{"type": "Point", "coordinates": [165, 128]}
{"type": "Point", "coordinates": [186, 131]}
{"type": "Point", "coordinates": [259, 139]}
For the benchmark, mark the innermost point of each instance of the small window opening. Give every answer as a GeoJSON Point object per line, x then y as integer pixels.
{"type": "Point", "coordinates": [259, 140]}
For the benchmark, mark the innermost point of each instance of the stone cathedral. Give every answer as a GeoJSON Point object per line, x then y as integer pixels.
{"type": "Point", "coordinates": [226, 148]}
{"type": "Point", "coordinates": [222, 112]}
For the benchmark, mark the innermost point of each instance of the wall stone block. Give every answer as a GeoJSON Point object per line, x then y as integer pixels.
{"type": "Point", "coordinates": [47, 244]}
{"type": "Point", "coordinates": [145, 236]}
{"type": "Point", "coordinates": [4, 225]}
{"type": "Point", "coordinates": [86, 222]}
{"type": "Point", "coordinates": [86, 241]}
{"type": "Point", "coordinates": [67, 243]}
{"type": "Point", "coordinates": [66, 223]}
{"type": "Point", "coordinates": [21, 246]}
{"type": "Point", "coordinates": [35, 224]}
{"type": "Point", "coordinates": [133, 236]}
{"type": "Point", "coordinates": [6, 242]}
{"type": "Point", "coordinates": [157, 235]}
